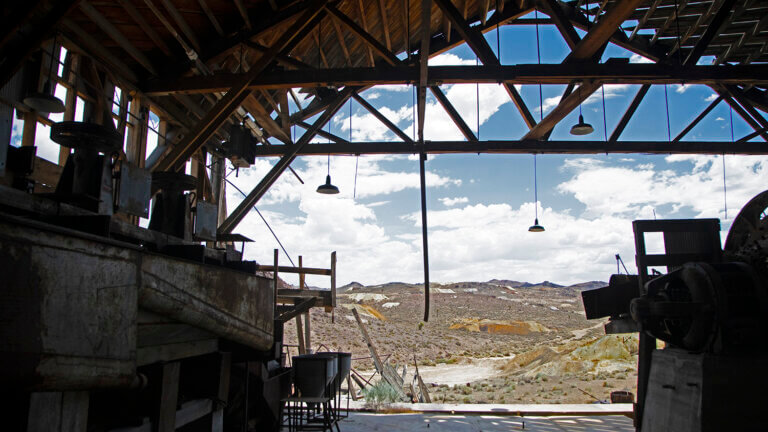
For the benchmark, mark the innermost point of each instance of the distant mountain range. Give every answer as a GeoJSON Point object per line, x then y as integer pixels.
{"type": "Point", "coordinates": [491, 284]}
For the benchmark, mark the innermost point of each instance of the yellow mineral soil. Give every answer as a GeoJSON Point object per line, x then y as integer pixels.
{"type": "Point", "coordinates": [499, 327]}
{"type": "Point", "coordinates": [608, 353]}
{"type": "Point", "coordinates": [366, 310]}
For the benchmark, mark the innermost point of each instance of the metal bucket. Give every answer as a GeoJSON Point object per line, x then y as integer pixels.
{"type": "Point", "coordinates": [312, 374]}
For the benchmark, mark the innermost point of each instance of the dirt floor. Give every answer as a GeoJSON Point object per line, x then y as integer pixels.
{"type": "Point", "coordinates": [491, 342]}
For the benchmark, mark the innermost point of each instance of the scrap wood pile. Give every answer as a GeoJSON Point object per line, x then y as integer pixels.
{"type": "Point", "coordinates": [415, 391]}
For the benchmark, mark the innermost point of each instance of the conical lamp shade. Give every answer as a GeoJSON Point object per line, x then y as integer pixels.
{"type": "Point", "coordinates": [327, 188]}
{"type": "Point", "coordinates": [44, 102]}
{"type": "Point", "coordinates": [582, 128]}
{"type": "Point", "coordinates": [536, 227]}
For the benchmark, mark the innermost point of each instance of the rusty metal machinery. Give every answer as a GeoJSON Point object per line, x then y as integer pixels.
{"type": "Point", "coordinates": [711, 311]}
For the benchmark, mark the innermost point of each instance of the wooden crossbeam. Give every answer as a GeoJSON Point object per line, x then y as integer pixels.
{"type": "Point", "coordinates": [563, 109]}
{"type": "Point", "coordinates": [382, 118]}
{"type": "Point", "coordinates": [479, 45]}
{"type": "Point", "coordinates": [453, 114]}
{"type": "Point", "coordinates": [271, 177]}
{"type": "Point", "coordinates": [232, 99]}
{"type": "Point", "coordinates": [630, 73]}
{"type": "Point", "coordinates": [385, 24]}
{"type": "Point", "coordinates": [211, 17]}
{"type": "Point", "coordinates": [603, 30]}
{"type": "Point", "coordinates": [522, 147]}
{"type": "Point", "coordinates": [554, 9]}
{"type": "Point", "coordinates": [134, 13]}
{"type": "Point", "coordinates": [629, 113]}
{"type": "Point", "coordinates": [366, 37]}
{"type": "Point", "coordinates": [713, 29]}
{"type": "Point", "coordinates": [698, 118]}
{"type": "Point", "coordinates": [361, 11]}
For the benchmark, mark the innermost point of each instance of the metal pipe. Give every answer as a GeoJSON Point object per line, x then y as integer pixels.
{"type": "Point", "coordinates": [422, 175]}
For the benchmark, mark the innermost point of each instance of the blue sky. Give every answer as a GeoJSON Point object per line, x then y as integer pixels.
{"type": "Point", "coordinates": [480, 206]}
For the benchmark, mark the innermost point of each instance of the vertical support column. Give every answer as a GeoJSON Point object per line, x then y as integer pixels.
{"type": "Point", "coordinates": [71, 65]}
{"type": "Point", "coordinates": [307, 316]}
{"type": "Point", "coordinates": [425, 243]}
{"type": "Point", "coordinates": [218, 185]}
{"type": "Point", "coordinates": [29, 129]}
{"type": "Point", "coordinates": [222, 395]}
{"type": "Point", "coordinates": [58, 412]}
{"type": "Point", "coordinates": [169, 397]}
{"type": "Point", "coordinates": [136, 151]}
{"type": "Point", "coordinates": [333, 288]}
{"type": "Point", "coordinates": [299, 326]}
{"type": "Point", "coordinates": [274, 280]}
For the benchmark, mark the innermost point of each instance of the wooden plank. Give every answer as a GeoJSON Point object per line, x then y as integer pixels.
{"type": "Point", "coordinates": [243, 14]}
{"type": "Point", "coordinates": [176, 351]}
{"type": "Point", "coordinates": [385, 24]}
{"type": "Point", "coordinates": [58, 411]}
{"type": "Point", "coordinates": [296, 270]}
{"type": "Point", "coordinates": [299, 309]}
{"type": "Point", "coordinates": [366, 37]}
{"type": "Point", "coordinates": [112, 31]}
{"type": "Point", "coordinates": [342, 42]}
{"type": "Point", "coordinates": [144, 25]}
{"type": "Point", "coordinates": [713, 29]}
{"type": "Point", "coordinates": [169, 396]}
{"type": "Point", "coordinates": [182, 23]}
{"type": "Point", "coordinates": [361, 11]}
{"type": "Point", "coordinates": [227, 104]}
{"type": "Point", "coordinates": [333, 279]}
{"type": "Point", "coordinates": [211, 17]}
{"type": "Point", "coordinates": [191, 411]}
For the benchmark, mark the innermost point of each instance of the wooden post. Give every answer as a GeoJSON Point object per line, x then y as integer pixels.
{"type": "Point", "coordinates": [307, 316]}
{"type": "Point", "coordinates": [29, 130]}
{"type": "Point", "coordinates": [169, 397]}
{"type": "Point", "coordinates": [274, 280]}
{"type": "Point", "coordinates": [71, 66]}
{"type": "Point", "coordinates": [222, 394]}
{"type": "Point", "coordinates": [58, 412]}
{"type": "Point", "coordinates": [299, 327]}
{"type": "Point", "coordinates": [136, 151]}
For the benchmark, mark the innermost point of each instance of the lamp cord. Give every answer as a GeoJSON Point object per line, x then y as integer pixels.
{"type": "Point", "coordinates": [535, 189]}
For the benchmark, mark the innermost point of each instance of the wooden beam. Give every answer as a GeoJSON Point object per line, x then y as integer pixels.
{"type": "Point", "coordinates": [342, 42]}
{"type": "Point", "coordinates": [361, 11]}
{"type": "Point", "coordinates": [383, 119]}
{"type": "Point", "coordinates": [366, 37]}
{"type": "Point", "coordinates": [271, 177]}
{"type": "Point", "coordinates": [479, 45]}
{"type": "Point", "coordinates": [169, 396]}
{"type": "Point", "coordinates": [385, 24]}
{"type": "Point", "coordinates": [211, 17]}
{"type": "Point", "coordinates": [182, 23]}
{"type": "Point", "coordinates": [603, 30]}
{"type": "Point", "coordinates": [522, 147]}
{"type": "Point", "coordinates": [453, 114]}
{"type": "Point", "coordinates": [95, 48]}
{"type": "Point", "coordinates": [554, 9]}
{"type": "Point", "coordinates": [421, 100]}
{"type": "Point", "coordinates": [631, 73]}
{"type": "Point", "coordinates": [297, 310]}
{"type": "Point", "coordinates": [641, 22]}
{"type": "Point", "coordinates": [698, 118]}
{"type": "Point", "coordinates": [629, 113]}
{"type": "Point", "coordinates": [713, 29]}
{"type": "Point", "coordinates": [563, 109]}
{"type": "Point", "coordinates": [144, 25]}
{"type": "Point", "coordinates": [229, 102]}
{"type": "Point", "coordinates": [112, 31]}
{"type": "Point", "coordinates": [243, 14]}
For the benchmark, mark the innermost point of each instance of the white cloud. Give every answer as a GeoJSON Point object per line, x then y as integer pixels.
{"type": "Point", "coordinates": [450, 202]}
{"type": "Point", "coordinates": [448, 59]}
{"type": "Point", "coordinates": [710, 98]}
{"type": "Point", "coordinates": [637, 58]}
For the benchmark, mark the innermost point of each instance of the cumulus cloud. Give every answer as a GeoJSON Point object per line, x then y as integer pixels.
{"type": "Point", "coordinates": [637, 58]}
{"type": "Point", "coordinates": [450, 202]}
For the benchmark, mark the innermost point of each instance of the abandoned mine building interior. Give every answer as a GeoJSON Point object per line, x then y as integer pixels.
{"type": "Point", "coordinates": [108, 324]}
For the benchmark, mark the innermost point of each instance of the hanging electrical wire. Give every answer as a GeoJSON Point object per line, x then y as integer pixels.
{"type": "Point", "coordinates": [265, 223]}
{"type": "Point", "coordinates": [605, 120]}
{"type": "Point", "coordinates": [666, 104]}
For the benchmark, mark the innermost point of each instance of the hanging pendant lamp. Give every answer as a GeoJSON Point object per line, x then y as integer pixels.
{"type": "Point", "coordinates": [328, 188]}
{"type": "Point", "coordinates": [45, 101]}
{"type": "Point", "coordinates": [582, 127]}
{"type": "Point", "coordinates": [535, 227]}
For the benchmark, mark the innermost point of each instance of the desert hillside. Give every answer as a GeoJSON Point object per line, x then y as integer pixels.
{"type": "Point", "coordinates": [499, 341]}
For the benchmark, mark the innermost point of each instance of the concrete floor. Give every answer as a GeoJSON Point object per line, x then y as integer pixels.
{"type": "Point", "coordinates": [366, 422]}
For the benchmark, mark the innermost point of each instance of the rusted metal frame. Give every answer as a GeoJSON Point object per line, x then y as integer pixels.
{"type": "Point", "coordinates": [718, 22]}
{"type": "Point", "coordinates": [421, 105]}
{"type": "Point", "coordinates": [385, 24]}
{"type": "Point", "coordinates": [323, 134]}
{"type": "Point", "coordinates": [211, 17]}
{"type": "Point", "coordinates": [103, 23]}
{"type": "Point", "coordinates": [181, 22]}
{"type": "Point", "coordinates": [342, 42]}
{"type": "Point", "coordinates": [641, 22]}
{"type": "Point", "coordinates": [13, 57]}
{"type": "Point", "coordinates": [674, 16]}
{"type": "Point", "coordinates": [555, 11]}
{"type": "Point", "coordinates": [361, 10]}
{"type": "Point", "coordinates": [382, 118]}
{"type": "Point", "coordinates": [522, 147]}
{"type": "Point", "coordinates": [453, 114]}
{"type": "Point", "coordinates": [698, 118]}
{"type": "Point", "coordinates": [144, 25]}
{"type": "Point", "coordinates": [227, 104]}
{"type": "Point", "coordinates": [271, 177]}
{"type": "Point", "coordinates": [243, 13]}
{"type": "Point", "coordinates": [629, 113]}
{"type": "Point", "coordinates": [479, 45]}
